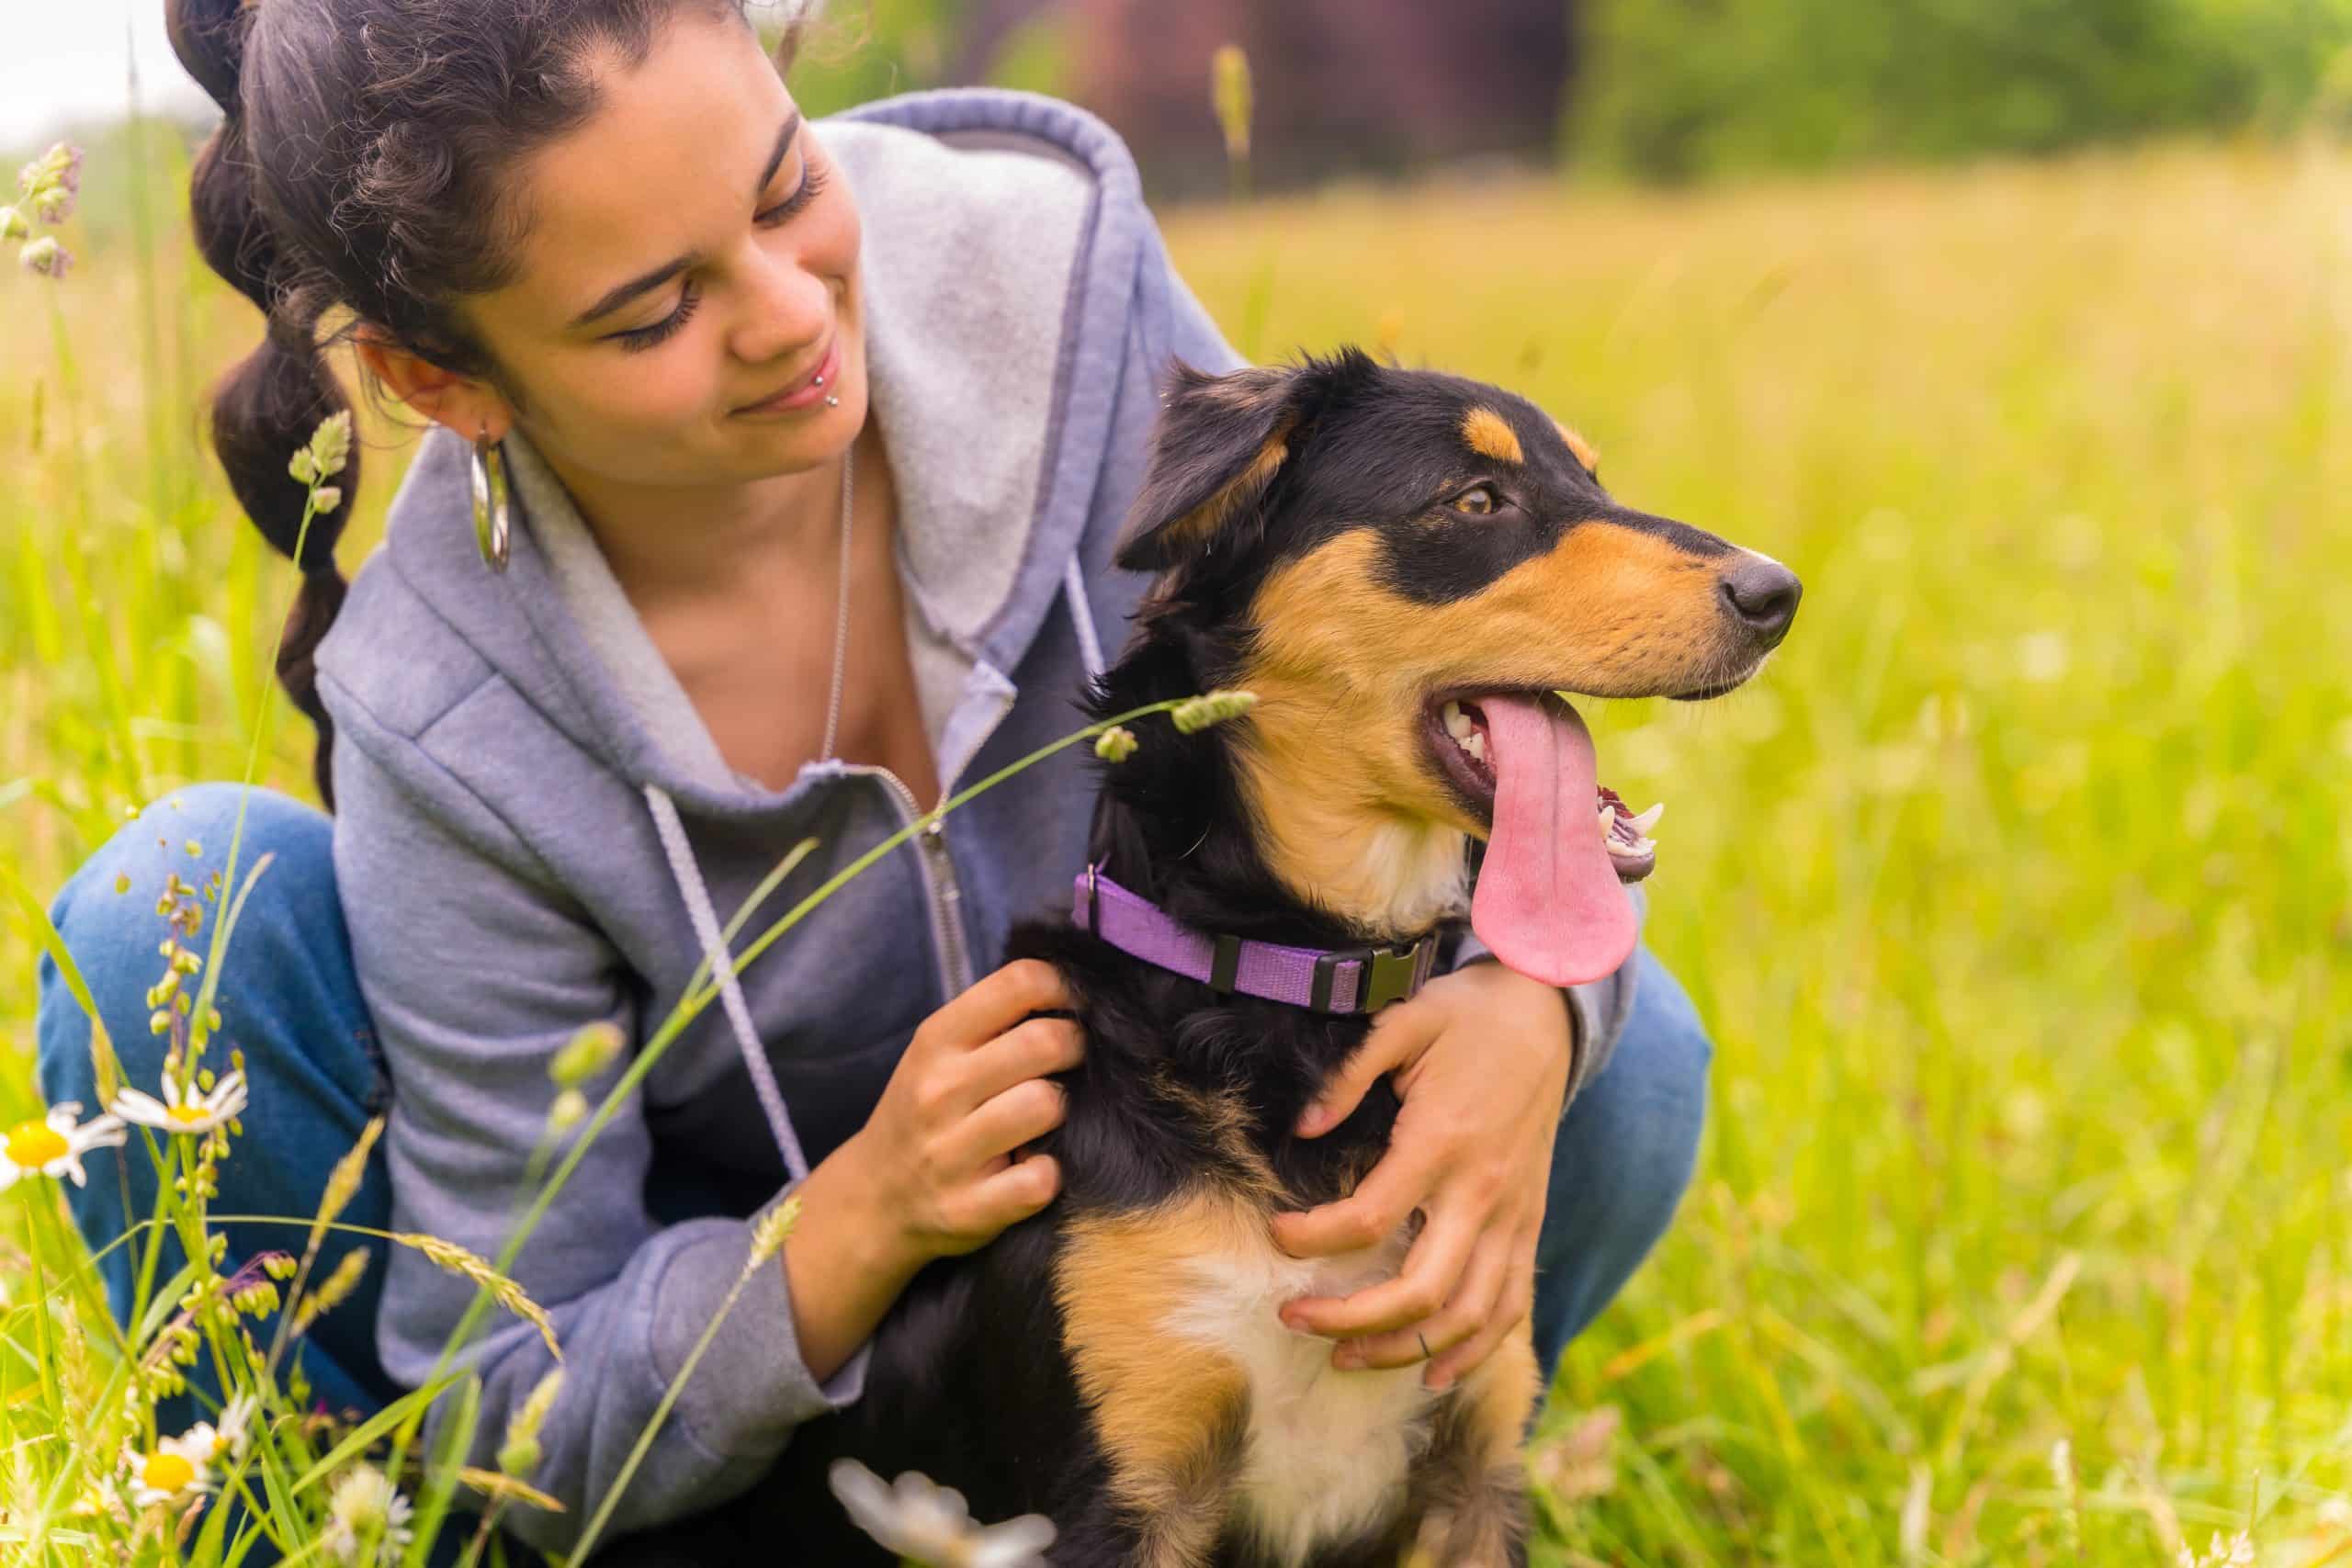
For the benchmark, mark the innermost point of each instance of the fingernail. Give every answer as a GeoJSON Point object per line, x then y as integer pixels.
{"type": "Point", "coordinates": [1437, 1381]}
{"type": "Point", "coordinates": [1349, 1360]}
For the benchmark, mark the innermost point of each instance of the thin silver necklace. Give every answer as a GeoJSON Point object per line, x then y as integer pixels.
{"type": "Point", "coordinates": [841, 622]}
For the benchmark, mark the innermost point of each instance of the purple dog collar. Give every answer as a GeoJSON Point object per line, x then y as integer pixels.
{"type": "Point", "coordinates": [1351, 980]}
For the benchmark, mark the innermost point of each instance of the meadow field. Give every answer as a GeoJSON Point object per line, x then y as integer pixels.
{"type": "Point", "coordinates": [2015, 893]}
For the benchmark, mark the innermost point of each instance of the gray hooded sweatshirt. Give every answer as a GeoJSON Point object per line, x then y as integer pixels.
{"type": "Point", "coordinates": [535, 831]}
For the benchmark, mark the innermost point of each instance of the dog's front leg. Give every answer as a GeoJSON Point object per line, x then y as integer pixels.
{"type": "Point", "coordinates": [1470, 1492]}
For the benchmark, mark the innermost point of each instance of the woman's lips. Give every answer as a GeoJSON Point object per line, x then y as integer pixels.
{"type": "Point", "coordinates": [807, 391]}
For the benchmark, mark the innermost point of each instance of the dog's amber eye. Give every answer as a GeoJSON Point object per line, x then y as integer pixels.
{"type": "Point", "coordinates": [1478, 500]}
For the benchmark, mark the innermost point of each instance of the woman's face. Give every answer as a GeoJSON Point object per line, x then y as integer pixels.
{"type": "Point", "coordinates": [688, 268]}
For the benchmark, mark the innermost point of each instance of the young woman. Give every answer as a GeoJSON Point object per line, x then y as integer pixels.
{"type": "Point", "coordinates": [778, 470]}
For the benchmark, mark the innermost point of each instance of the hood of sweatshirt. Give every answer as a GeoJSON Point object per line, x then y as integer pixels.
{"type": "Point", "coordinates": [976, 328]}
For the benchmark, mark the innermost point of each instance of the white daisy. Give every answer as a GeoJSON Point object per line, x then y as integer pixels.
{"type": "Point", "coordinates": [917, 1518]}
{"type": "Point", "coordinates": [178, 1469]}
{"type": "Point", "coordinates": [364, 1500]}
{"type": "Point", "coordinates": [54, 1145]}
{"type": "Point", "coordinates": [183, 1109]}
{"type": "Point", "coordinates": [235, 1431]}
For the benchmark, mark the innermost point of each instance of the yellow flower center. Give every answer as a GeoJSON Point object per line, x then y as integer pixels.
{"type": "Point", "coordinates": [187, 1114]}
{"type": "Point", "coordinates": [166, 1471]}
{"type": "Point", "coordinates": [32, 1144]}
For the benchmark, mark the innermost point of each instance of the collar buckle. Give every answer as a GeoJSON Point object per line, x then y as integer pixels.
{"type": "Point", "coordinates": [1384, 975]}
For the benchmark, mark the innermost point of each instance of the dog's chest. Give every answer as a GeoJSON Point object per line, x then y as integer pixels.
{"type": "Point", "coordinates": [1327, 1452]}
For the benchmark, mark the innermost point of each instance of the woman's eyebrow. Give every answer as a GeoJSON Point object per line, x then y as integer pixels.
{"type": "Point", "coordinates": [646, 282]}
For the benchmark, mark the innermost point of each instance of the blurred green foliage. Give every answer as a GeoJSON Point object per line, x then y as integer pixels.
{"type": "Point", "coordinates": [1674, 89]}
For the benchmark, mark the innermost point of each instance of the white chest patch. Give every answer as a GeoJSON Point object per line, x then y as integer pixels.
{"type": "Point", "coordinates": [1328, 1451]}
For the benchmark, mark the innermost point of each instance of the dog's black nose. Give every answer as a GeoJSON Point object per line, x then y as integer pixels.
{"type": "Point", "coordinates": [1763, 594]}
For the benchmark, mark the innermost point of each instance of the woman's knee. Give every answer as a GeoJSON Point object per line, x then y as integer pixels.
{"type": "Point", "coordinates": [111, 919]}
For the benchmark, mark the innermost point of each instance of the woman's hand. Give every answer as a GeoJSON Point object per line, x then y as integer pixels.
{"type": "Point", "coordinates": [931, 1172]}
{"type": "Point", "coordinates": [1481, 1059]}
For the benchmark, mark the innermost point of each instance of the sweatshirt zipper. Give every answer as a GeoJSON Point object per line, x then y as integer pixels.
{"type": "Point", "coordinates": [941, 892]}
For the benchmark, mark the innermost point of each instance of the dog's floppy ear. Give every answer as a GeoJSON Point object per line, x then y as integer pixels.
{"type": "Point", "coordinates": [1220, 442]}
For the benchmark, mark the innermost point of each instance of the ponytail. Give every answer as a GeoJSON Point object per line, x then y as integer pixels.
{"type": "Point", "coordinates": [266, 407]}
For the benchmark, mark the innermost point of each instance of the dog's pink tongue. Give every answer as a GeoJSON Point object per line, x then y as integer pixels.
{"type": "Point", "coordinates": [1548, 901]}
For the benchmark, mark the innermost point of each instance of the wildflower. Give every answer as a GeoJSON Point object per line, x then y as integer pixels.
{"type": "Point", "coordinates": [14, 225]}
{"type": "Point", "coordinates": [176, 1471]}
{"type": "Point", "coordinates": [325, 498]}
{"type": "Point", "coordinates": [231, 1438]}
{"type": "Point", "coordinates": [365, 1506]}
{"type": "Point", "coordinates": [60, 168]}
{"type": "Point", "coordinates": [1115, 744]}
{"type": "Point", "coordinates": [55, 1147]}
{"type": "Point", "coordinates": [47, 257]}
{"type": "Point", "coordinates": [589, 1053]}
{"type": "Point", "coordinates": [916, 1518]}
{"type": "Point", "coordinates": [184, 1108]}
{"type": "Point", "coordinates": [1196, 713]}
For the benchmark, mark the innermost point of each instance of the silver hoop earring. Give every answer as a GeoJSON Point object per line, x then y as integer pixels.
{"type": "Point", "coordinates": [492, 527]}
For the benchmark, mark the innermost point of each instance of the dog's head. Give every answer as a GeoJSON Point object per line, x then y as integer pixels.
{"type": "Point", "coordinates": [1405, 566]}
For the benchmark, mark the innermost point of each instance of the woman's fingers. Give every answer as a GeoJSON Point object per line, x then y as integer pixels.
{"type": "Point", "coordinates": [996, 1003]}
{"type": "Point", "coordinates": [1398, 1035]}
{"type": "Point", "coordinates": [1022, 1115]}
{"type": "Point", "coordinates": [1371, 1215]}
{"type": "Point", "coordinates": [1465, 1312]}
{"type": "Point", "coordinates": [1007, 1197]}
{"type": "Point", "coordinates": [1029, 1049]}
{"type": "Point", "coordinates": [1431, 1273]}
{"type": "Point", "coordinates": [1511, 1309]}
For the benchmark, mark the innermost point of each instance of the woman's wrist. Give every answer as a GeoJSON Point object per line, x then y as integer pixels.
{"type": "Point", "coordinates": [845, 1262]}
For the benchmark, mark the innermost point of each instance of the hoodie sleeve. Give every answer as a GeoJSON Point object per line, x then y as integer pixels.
{"type": "Point", "coordinates": [477, 971]}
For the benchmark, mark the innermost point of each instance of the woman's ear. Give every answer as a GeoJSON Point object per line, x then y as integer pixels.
{"type": "Point", "coordinates": [1219, 443]}
{"type": "Point", "coordinates": [466, 405]}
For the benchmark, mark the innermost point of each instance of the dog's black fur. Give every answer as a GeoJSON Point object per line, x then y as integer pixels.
{"type": "Point", "coordinates": [971, 1380]}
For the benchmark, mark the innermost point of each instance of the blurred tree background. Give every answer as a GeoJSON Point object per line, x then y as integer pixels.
{"type": "Point", "coordinates": [1658, 89]}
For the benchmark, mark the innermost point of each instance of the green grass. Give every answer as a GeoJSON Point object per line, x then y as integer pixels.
{"type": "Point", "coordinates": [2015, 893]}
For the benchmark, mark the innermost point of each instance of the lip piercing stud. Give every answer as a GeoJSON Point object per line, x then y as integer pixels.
{"type": "Point", "coordinates": [819, 381]}
{"type": "Point", "coordinates": [831, 401]}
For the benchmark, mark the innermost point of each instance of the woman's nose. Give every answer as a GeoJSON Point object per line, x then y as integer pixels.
{"type": "Point", "coordinates": [786, 309]}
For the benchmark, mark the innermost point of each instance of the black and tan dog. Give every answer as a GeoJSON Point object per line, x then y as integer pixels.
{"type": "Point", "coordinates": [1402, 566]}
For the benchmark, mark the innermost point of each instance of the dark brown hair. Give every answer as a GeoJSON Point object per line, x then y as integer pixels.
{"type": "Point", "coordinates": [359, 176]}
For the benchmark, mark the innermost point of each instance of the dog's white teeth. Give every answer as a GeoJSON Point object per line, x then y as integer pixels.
{"type": "Point", "coordinates": [1458, 723]}
{"type": "Point", "coordinates": [1648, 819]}
{"type": "Point", "coordinates": [1624, 850]}
{"type": "Point", "coordinates": [1476, 746]}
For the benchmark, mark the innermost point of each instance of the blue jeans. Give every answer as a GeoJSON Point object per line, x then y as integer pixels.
{"type": "Point", "coordinates": [291, 1003]}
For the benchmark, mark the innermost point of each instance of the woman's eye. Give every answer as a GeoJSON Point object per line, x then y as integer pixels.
{"type": "Point", "coordinates": [639, 338]}
{"type": "Point", "coordinates": [1478, 500]}
{"type": "Point", "coordinates": [812, 180]}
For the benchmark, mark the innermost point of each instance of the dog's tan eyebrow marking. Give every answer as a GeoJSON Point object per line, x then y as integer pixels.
{"type": "Point", "coordinates": [1581, 447]}
{"type": "Point", "coordinates": [1490, 435]}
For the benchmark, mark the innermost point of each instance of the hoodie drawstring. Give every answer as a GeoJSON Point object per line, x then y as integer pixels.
{"type": "Point", "coordinates": [1081, 616]}
{"type": "Point", "coordinates": [688, 877]}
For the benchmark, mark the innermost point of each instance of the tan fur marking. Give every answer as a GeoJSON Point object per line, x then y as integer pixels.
{"type": "Point", "coordinates": [1159, 1401]}
{"type": "Point", "coordinates": [1489, 435]}
{"type": "Point", "coordinates": [1203, 524]}
{"type": "Point", "coordinates": [1581, 447]}
{"type": "Point", "coordinates": [1223, 1122]}
{"type": "Point", "coordinates": [1332, 760]}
